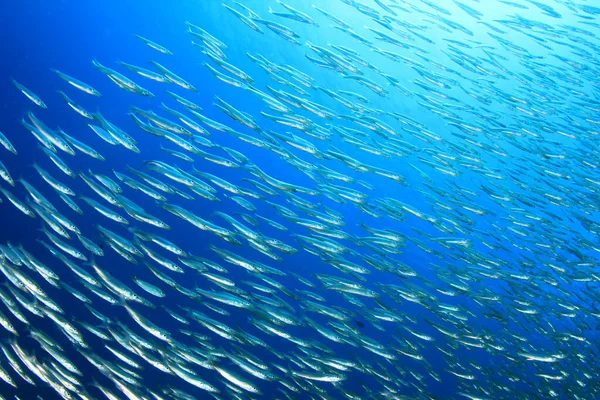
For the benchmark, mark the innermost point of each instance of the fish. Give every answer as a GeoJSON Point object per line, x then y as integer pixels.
{"type": "Point", "coordinates": [174, 78]}
{"type": "Point", "coordinates": [84, 87]}
{"type": "Point", "coordinates": [79, 109]}
{"type": "Point", "coordinates": [248, 21]}
{"type": "Point", "coordinates": [146, 73]}
{"type": "Point", "coordinates": [29, 94]}
{"type": "Point", "coordinates": [82, 147]}
{"type": "Point", "coordinates": [397, 200]}
{"type": "Point", "coordinates": [155, 46]}
{"type": "Point", "coordinates": [184, 101]}
{"type": "Point", "coordinates": [50, 138]}
{"type": "Point", "coordinates": [5, 175]}
{"type": "Point", "coordinates": [6, 143]}
{"type": "Point", "coordinates": [122, 81]}
{"type": "Point", "coordinates": [294, 14]}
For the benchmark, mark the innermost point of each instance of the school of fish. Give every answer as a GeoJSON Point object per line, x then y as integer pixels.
{"type": "Point", "coordinates": [501, 197]}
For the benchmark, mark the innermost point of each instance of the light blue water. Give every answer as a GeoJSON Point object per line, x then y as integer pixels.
{"type": "Point", "coordinates": [525, 160]}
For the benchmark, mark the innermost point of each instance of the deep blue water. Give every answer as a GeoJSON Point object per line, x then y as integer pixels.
{"type": "Point", "coordinates": [529, 98]}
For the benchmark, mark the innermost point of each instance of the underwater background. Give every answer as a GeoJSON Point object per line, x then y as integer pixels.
{"type": "Point", "coordinates": [401, 201]}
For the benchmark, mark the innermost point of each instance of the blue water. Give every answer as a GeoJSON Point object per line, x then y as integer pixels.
{"type": "Point", "coordinates": [68, 35]}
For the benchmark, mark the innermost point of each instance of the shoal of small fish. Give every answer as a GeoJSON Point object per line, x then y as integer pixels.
{"type": "Point", "coordinates": [504, 207]}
